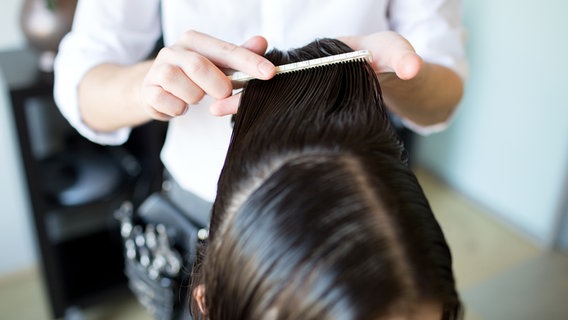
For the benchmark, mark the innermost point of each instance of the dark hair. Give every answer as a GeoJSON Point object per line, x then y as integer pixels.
{"type": "Point", "coordinates": [317, 215]}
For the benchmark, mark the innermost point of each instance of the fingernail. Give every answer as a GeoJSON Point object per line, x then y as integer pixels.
{"type": "Point", "coordinates": [266, 68]}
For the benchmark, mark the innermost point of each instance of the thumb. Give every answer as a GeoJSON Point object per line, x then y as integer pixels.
{"type": "Point", "coordinates": [407, 65]}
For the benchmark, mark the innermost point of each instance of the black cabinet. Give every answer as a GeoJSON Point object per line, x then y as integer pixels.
{"type": "Point", "coordinates": [74, 187]}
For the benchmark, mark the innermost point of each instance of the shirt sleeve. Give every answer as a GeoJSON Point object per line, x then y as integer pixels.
{"type": "Point", "coordinates": [104, 31]}
{"type": "Point", "coordinates": [435, 30]}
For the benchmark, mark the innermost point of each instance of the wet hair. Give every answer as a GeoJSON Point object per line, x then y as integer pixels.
{"type": "Point", "coordinates": [317, 214]}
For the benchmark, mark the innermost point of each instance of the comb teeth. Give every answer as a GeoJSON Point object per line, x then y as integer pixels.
{"type": "Point", "coordinates": [241, 77]}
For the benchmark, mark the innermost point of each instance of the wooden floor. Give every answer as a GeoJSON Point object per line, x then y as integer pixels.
{"type": "Point", "coordinates": [500, 274]}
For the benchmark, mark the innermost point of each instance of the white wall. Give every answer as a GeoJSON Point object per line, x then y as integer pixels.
{"type": "Point", "coordinates": [16, 237]}
{"type": "Point", "coordinates": [11, 36]}
{"type": "Point", "coordinates": [508, 146]}
{"type": "Point", "coordinates": [17, 241]}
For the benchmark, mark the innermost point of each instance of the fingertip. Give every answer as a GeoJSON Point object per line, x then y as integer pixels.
{"type": "Point", "coordinates": [409, 66]}
{"type": "Point", "coordinates": [257, 44]}
{"type": "Point", "coordinates": [216, 109]}
{"type": "Point", "coordinates": [266, 69]}
{"type": "Point", "coordinates": [225, 107]}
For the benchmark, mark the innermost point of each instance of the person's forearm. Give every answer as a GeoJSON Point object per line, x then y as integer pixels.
{"type": "Point", "coordinates": [109, 96]}
{"type": "Point", "coordinates": [427, 99]}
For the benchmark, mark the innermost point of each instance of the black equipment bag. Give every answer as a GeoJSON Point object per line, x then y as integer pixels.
{"type": "Point", "coordinates": [160, 246]}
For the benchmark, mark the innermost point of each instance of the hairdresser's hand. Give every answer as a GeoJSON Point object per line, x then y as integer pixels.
{"type": "Point", "coordinates": [392, 53]}
{"type": "Point", "coordinates": [183, 73]}
{"type": "Point", "coordinates": [424, 93]}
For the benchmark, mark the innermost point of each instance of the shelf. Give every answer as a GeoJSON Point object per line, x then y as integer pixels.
{"type": "Point", "coordinates": [70, 223]}
{"type": "Point", "coordinates": [74, 186]}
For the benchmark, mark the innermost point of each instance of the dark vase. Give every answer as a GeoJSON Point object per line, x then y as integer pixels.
{"type": "Point", "coordinates": [44, 23]}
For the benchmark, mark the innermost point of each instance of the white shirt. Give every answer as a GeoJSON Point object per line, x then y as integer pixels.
{"type": "Point", "coordinates": [125, 31]}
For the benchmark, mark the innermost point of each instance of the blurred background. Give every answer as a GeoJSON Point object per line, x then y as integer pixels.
{"type": "Point", "coordinates": [497, 178]}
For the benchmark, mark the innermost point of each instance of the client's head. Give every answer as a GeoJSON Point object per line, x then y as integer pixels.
{"type": "Point", "coordinates": [317, 215]}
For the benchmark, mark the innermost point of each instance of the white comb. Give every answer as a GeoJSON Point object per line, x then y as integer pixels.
{"type": "Point", "coordinates": [241, 77]}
